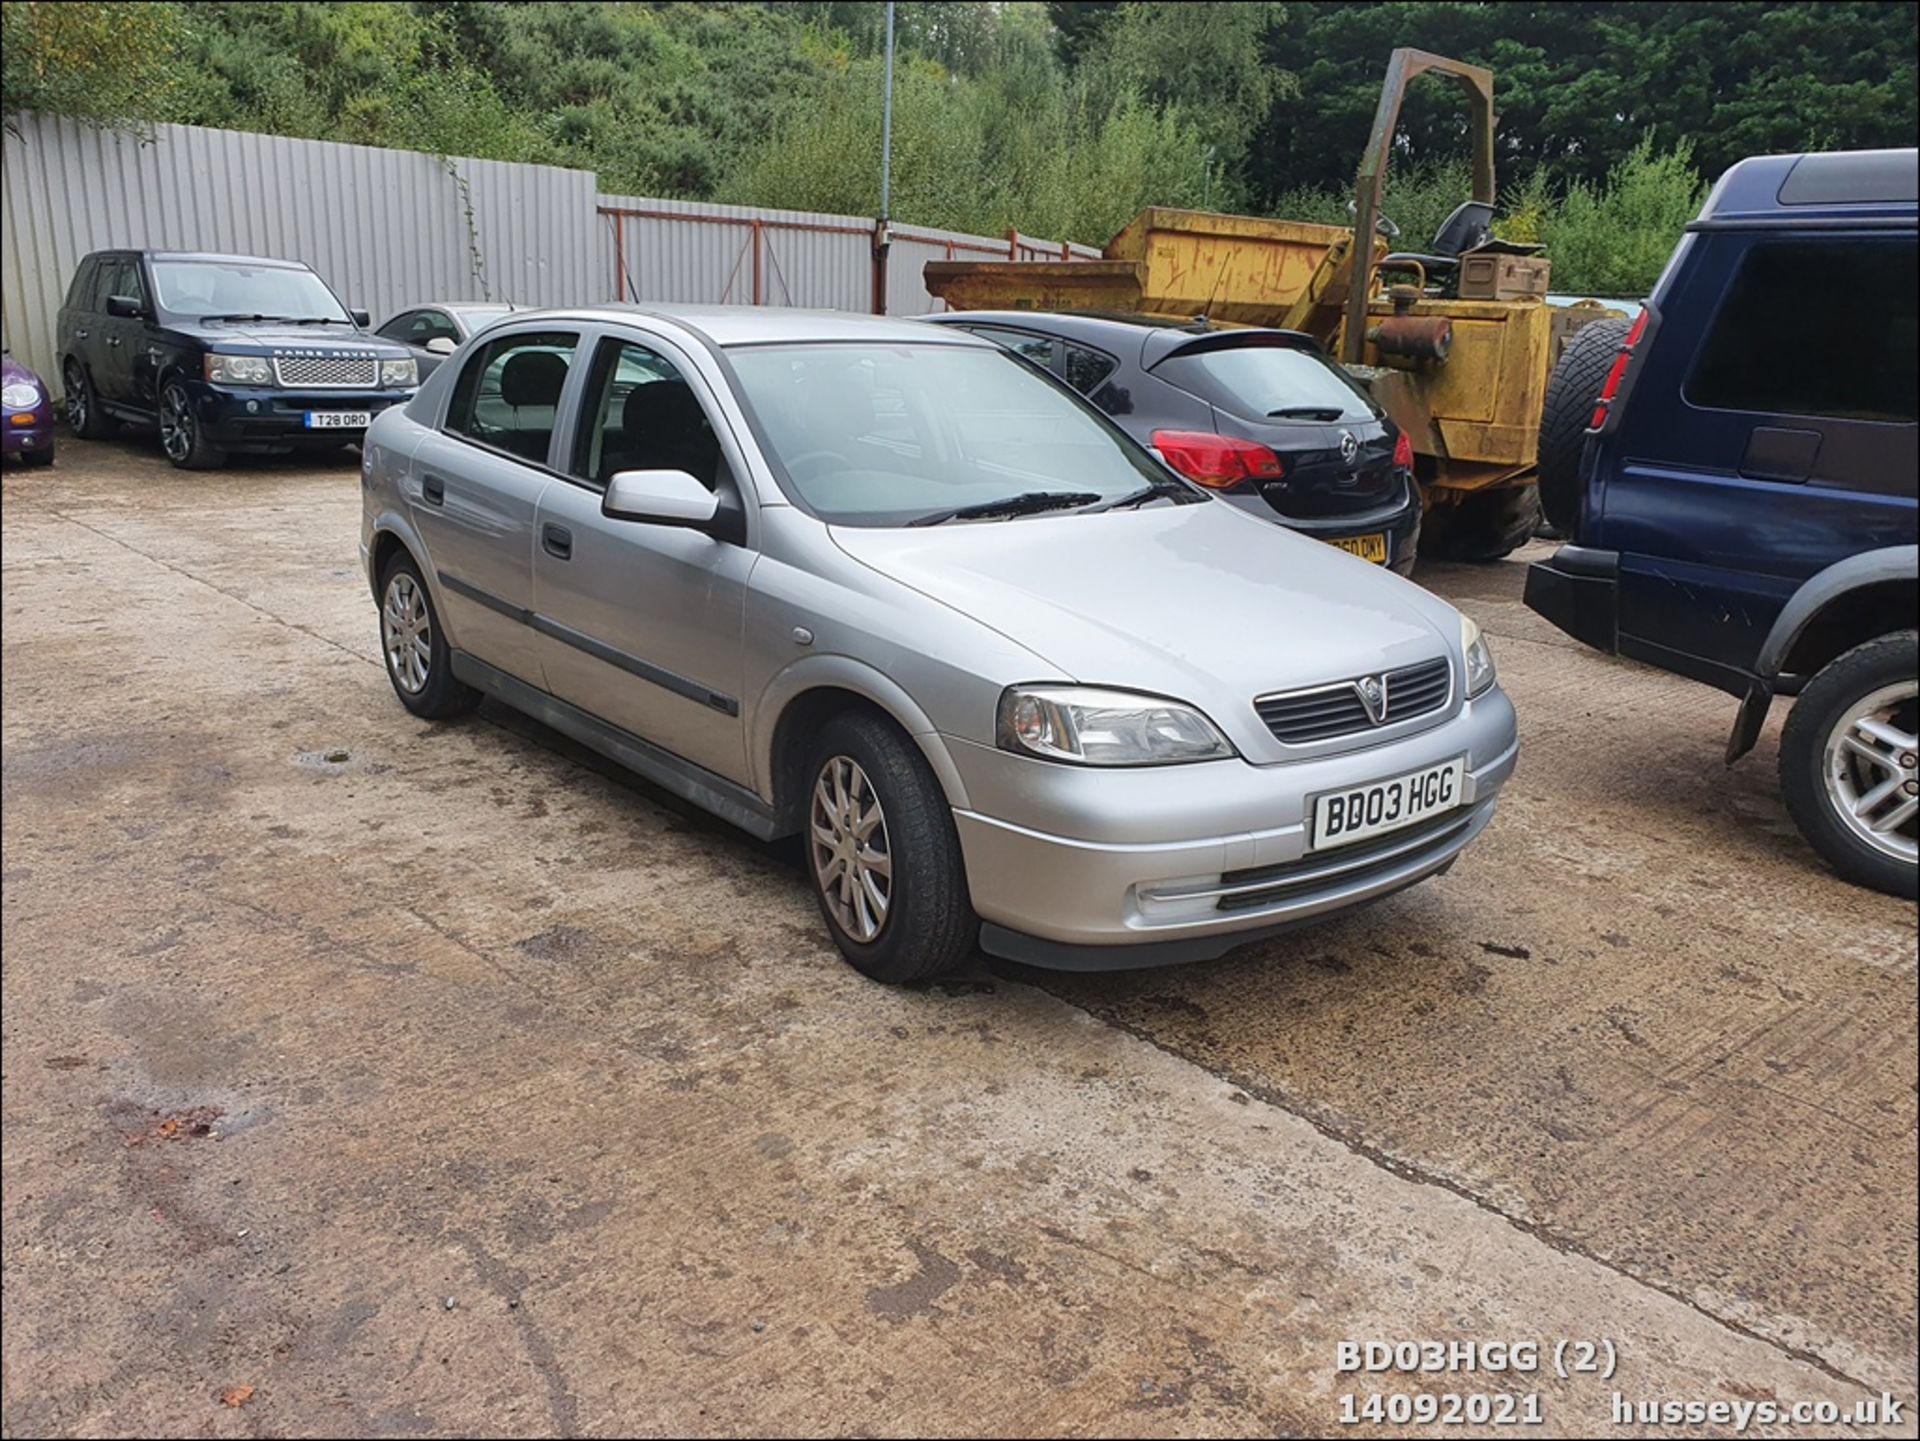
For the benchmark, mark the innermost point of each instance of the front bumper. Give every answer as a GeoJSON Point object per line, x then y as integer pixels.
{"type": "Point", "coordinates": [1092, 870]}
{"type": "Point", "coordinates": [24, 430]}
{"type": "Point", "coordinates": [238, 417]}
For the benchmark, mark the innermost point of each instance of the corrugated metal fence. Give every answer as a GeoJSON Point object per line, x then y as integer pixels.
{"type": "Point", "coordinates": [390, 228]}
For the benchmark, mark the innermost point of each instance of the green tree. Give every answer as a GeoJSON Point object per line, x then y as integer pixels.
{"type": "Point", "coordinates": [102, 62]}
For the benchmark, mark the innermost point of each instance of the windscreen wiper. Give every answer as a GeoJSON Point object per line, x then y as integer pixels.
{"type": "Point", "coordinates": [1029, 502]}
{"type": "Point", "coordinates": [321, 320]}
{"type": "Point", "coordinates": [1305, 412]}
{"type": "Point", "coordinates": [246, 317]}
{"type": "Point", "coordinates": [1172, 490]}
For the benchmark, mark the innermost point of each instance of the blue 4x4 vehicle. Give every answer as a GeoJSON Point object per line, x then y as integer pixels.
{"type": "Point", "coordinates": [1744, 510]}
{"type": "Point", "coordinates": [221, 353]}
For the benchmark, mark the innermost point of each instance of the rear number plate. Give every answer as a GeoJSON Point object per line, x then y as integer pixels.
{"type": "Point", "coordinates": [1367, 547]}
{"type": "Point", "coordinates": [338, 419]}
{"type": "Point", "coordinates": [1342, 817]}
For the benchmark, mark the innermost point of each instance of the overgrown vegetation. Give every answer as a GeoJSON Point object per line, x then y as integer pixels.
{"type": "Point", "coordinates": [1059, 119]}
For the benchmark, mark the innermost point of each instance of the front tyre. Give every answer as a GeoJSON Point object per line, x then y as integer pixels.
{"type": "Point", "coordinates": [1848, 763]}
{"type": "Point", "coordinates": [182, 435]}
{"type": "Point", "coordinates": [418, 659]}
{"type": "Point", "coordinates": [883, 854]}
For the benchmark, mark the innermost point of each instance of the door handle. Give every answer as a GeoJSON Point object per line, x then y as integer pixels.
{"type": "Point", "coordinates": [434, 489]}
{"type": "Point", "coordinates": [557, 540]}
{"type": "Point", "coordinates": [80, 334]}
{"type": "Point", "coordinates": [113, 340]}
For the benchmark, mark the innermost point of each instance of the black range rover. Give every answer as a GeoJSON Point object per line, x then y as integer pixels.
{"type": "Point", "coordinates": [223, 353]}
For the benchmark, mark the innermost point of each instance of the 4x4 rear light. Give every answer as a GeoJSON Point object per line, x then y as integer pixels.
{"type": "Point", "coordinates": [1403, 452]}
{"type": "Point", "coordinates": [1617, 372]}
{"type": "Point", "coordinates": [1218, 462]}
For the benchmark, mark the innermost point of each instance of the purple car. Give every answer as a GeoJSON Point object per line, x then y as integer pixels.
{"type": "Point", "coordinates": [27, 424]}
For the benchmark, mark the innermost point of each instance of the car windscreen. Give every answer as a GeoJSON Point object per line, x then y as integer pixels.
{"type": "Point", "coordinates": [885, 435]}
{"type": "Point", "coordinates": [234, 288]}
{"type": "Point", "coordinates": [1269, 382]}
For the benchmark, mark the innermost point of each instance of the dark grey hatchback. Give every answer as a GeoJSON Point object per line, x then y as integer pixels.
{"type": "Point", "coordinates": [1262, 417]}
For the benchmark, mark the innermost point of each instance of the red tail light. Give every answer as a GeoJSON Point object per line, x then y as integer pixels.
{"type": "Point", "coordinates": [1218, 462]}
{"type": "Point", "coordinates": [1617, 372]}
{"type": "Point", "coordinates": [1403, 452]}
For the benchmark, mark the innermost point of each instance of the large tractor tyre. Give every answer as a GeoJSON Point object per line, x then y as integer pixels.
{"type": "Point", "coordinates": [1571, 391]}
{"type": "Point", "coordinates": [1485, 525]}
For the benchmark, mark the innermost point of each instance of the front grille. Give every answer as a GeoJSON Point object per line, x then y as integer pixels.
{"type": "Point", "coordinates": [1250, 889]}
{"type": "Point", "coordinates": [1298, 717]}
{"type": "Point", "coordinates": [331, 371]}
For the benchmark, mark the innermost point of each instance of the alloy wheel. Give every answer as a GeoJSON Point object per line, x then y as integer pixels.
{"type": "Point", "coordinates": [176, 424]}
{"type": "Point", "coordinates": [76, 401]}
{"type": "Point", "coordinates": [407, 634]}
{"type": "Point", "coordinates": [852, 859]}
{"type": "Point", "coordinates": [1870, 769]}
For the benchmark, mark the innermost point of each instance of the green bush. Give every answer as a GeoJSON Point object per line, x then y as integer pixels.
{"type": "Point", "coordinates": [1612, 240]}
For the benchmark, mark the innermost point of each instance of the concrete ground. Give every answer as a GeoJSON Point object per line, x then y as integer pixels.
{"type": "Point", "coordinates": [366, 1076]}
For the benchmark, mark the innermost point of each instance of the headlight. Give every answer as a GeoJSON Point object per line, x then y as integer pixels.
{"type": "Point", "coordinates": [1479, 657]}
{"type": "Point", "coordinates": [21, 395]}
{"type": "Point", "coordinates": [239, 370]}
{"type": "Point", "coordinates": [395, 374]}
{"type": "Point", "coordinates": [1105, 727]}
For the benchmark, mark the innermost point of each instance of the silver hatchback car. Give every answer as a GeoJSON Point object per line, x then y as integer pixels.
{"type": "Point", "coordinates": [887, 588]}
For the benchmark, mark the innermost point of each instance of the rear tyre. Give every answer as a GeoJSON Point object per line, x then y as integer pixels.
{"type": "Point", "coordinates": [1483, 525]}
{"type": "Point", "coordinates": [85, 418]}
{"type": "Point", "coordinates": [883, 854]}
{"type": "Point", "coordinates": [1571, 391]}
{"type": "Point", "coordinates": [182, 436]}
{"type": "Point", "coordinates": [418, 659]}
{"type": "Point", "coordinates": [1847, 763]}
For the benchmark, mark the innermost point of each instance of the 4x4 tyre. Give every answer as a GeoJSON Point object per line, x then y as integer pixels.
{"type": "Point", "coordinates": [1571, 390]}
{"type": "Point", "coordinates": [182, 436]}
{"type": "Point", "coordinates": [1487, 525]}
{"type": "Point", "coordinates": [1847, 763]}
{"type": "Point", "coordinates": [85, 418]}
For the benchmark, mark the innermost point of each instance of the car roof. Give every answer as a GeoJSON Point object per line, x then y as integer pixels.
{"type": "Point", "coordinates": [1856, 185]}
{"type": "Point", "coordinates": [1146, 339]}
{"type": "Point", "coordinates": [726, 325]}
{"type": "Point", "coordinates": [214, 256]}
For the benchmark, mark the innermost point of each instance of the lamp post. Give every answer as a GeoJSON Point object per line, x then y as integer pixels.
{"type": "Point", "coordinates": [882, 233]}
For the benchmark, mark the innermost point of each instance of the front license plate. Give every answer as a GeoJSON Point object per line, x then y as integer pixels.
{"type": "Point", "coordinates": [339, 419]}
{"type": "Point", "coordinates": [1367, 547]}
{"type": "Point", "coordinates": [1342, 817]}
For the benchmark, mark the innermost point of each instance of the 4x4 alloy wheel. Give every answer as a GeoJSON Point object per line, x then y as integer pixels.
{"type": "Point", "coordinates": [84, 416]}
{"type": "Point", "coordinates": [181, 435]}
{"type": "Point", "coordinates": [1850, 763]}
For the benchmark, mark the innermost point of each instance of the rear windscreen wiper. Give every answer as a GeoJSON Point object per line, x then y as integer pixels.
{"type": "Point", "coordinates": [1306, 412]}
{"type": "Point", "coordinates": [1027, 503]}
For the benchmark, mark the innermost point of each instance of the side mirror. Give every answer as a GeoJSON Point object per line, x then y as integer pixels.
{"type": "Point", "coordinates": [660, 497]}
{"type": "Point", "coordinates": [442, 345]}
{"type": "Point", "coordinates": [125, 307]}
{"type": "Point", "coordinates": [361, 318]}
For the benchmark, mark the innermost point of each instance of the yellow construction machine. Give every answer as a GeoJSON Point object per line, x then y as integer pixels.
{"type": "Point", "coordinates": [1456, 342]}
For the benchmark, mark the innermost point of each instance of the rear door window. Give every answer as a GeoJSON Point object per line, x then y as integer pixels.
{"type": "Point", "coordinates": [1814, 328]}
{"type": "Point", "coordinates": [509, 393]}
{"type": "Point", "coordinates": [80, 292]}
{"type": "Point", "coordinates": [1269, 382]}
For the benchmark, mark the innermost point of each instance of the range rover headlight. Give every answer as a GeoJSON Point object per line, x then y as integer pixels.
{"type": "Point", "coordinates": [1092, 727]}
{"type": "Point", "coordinates": [239, 369]}
{"type": "Point", "coordinates": [399, 374]}
{"type": "Point", "coordinates": [1479, 657]}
